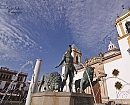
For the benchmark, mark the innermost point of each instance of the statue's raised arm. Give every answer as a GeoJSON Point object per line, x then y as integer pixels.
{"type": "Point", "coordinates": [61, 62]}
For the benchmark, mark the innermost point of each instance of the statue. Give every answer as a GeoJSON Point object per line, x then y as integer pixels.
{"type": "Point", "coordinates": [84, 83]}
{"type": "Point", "coordinates": [77, 86]}
{"type": "Point", "coordinates": [52, 81]}
{"type": "Point", "coordinates": [69, 68]}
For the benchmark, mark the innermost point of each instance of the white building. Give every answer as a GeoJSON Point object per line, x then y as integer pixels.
{"type": "Point", "coordinates": [118, 86]}
{"type": "Point", "coordinates": [115, 63]}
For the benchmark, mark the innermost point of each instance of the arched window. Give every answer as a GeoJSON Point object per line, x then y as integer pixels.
{"type": "Point", "coordinates": [127, 24]}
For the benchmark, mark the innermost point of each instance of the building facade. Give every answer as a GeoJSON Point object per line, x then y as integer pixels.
{"type": "Point", "coordinates": [12, 84]}
{"type": "Point", "coordinates": [118, 83]}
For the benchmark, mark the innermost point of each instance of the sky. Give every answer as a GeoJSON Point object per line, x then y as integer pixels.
{"type": "Point", "coordinates": [43, 29]}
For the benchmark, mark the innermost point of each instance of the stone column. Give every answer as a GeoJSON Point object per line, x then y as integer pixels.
{"type": "Point", "coordinates": [33, 84]}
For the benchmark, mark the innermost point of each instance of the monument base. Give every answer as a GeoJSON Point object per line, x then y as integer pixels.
{"type": "Point", "coordinates": [61, 98]}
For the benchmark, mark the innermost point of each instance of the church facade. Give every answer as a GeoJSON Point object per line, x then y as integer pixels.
{"type": "Point", "coordinates": [114, 62]}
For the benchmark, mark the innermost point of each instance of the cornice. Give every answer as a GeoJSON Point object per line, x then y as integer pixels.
{"type": "Point", "coordinates": [119, 38]}
{"type": "Point", "coordinates": [77, 51]}
{"type": "Point", "coordinates": [121, 18]}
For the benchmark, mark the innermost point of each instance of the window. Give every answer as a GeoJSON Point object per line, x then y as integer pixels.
{"type": "Point", "coordinates": [18, 79]}
{"type": "Point", "coordinates": [115, 72]}
{"type": "Point", "coordinates": [77, 59]}
{"type": "Point", "coordinates": [128, 51]}
{"type": "Point", "coordinates": [10, 77]}
{"type": "Point", "coordinates": [4, 76]}
{"type": "Point", "coordinates": [21, 78]}
{"type": "Point", "coordinates": [127, 24]}
{"type": "Point", "coordinates": [1, 75]}
{"type": "Point", "coordinates": [7, 76]}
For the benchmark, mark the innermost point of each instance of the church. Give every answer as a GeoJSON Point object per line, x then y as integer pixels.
{"type": "Point", "coordinates": [114, 62]}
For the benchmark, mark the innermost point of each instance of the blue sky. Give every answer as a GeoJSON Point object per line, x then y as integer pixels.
{"type": "Point", "coordinates": [31, 29]}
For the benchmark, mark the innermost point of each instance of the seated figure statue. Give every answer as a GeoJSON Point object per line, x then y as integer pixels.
{"type": "Point", "coordinates": [87, 78]}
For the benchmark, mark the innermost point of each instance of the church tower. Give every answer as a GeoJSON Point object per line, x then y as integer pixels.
{"type": "Point", "coordinates": [123, 28]}
{"type": "Point", "coordinates": [77, 55]}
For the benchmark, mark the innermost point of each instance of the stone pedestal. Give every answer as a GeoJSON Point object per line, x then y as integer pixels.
{"type": "Point", "coordinates": [61, 98]}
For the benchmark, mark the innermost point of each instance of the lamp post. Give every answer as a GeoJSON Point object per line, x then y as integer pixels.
{"type": "Point", "coordinates": [33, 84]}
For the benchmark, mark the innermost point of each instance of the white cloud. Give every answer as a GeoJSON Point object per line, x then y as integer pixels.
{"type": "Point", "coordinates": [14, 39]}
{"type": "Point", "coordinates": [92, 21]}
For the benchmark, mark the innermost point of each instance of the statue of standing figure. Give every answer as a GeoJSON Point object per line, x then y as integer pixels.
{"type": "Point", "coordinates": [69, 68]}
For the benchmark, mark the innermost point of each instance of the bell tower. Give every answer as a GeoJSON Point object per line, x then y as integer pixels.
{"type": "Point", "coordinates": [123, 23]}
{"type": "Point", "coordinates": [77, 55]}
{"type": "Point", "coordinates": [123, 28]}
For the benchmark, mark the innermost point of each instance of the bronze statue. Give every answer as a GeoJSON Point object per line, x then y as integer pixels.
{"type": "Point", "coordinates": [52, 81]}
{"type": "Point", "coordinates": [69, 68]}
{"type": "Point", "coordinates": [88, 77]}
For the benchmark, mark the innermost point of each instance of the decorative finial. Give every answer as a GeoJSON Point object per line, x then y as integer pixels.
{"type": "Point", "coordinates": [122, 6]}
{"type": "Point", "coordinates": [111, 46]}
{"type": "Point", "coordinates": [117, 15]}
